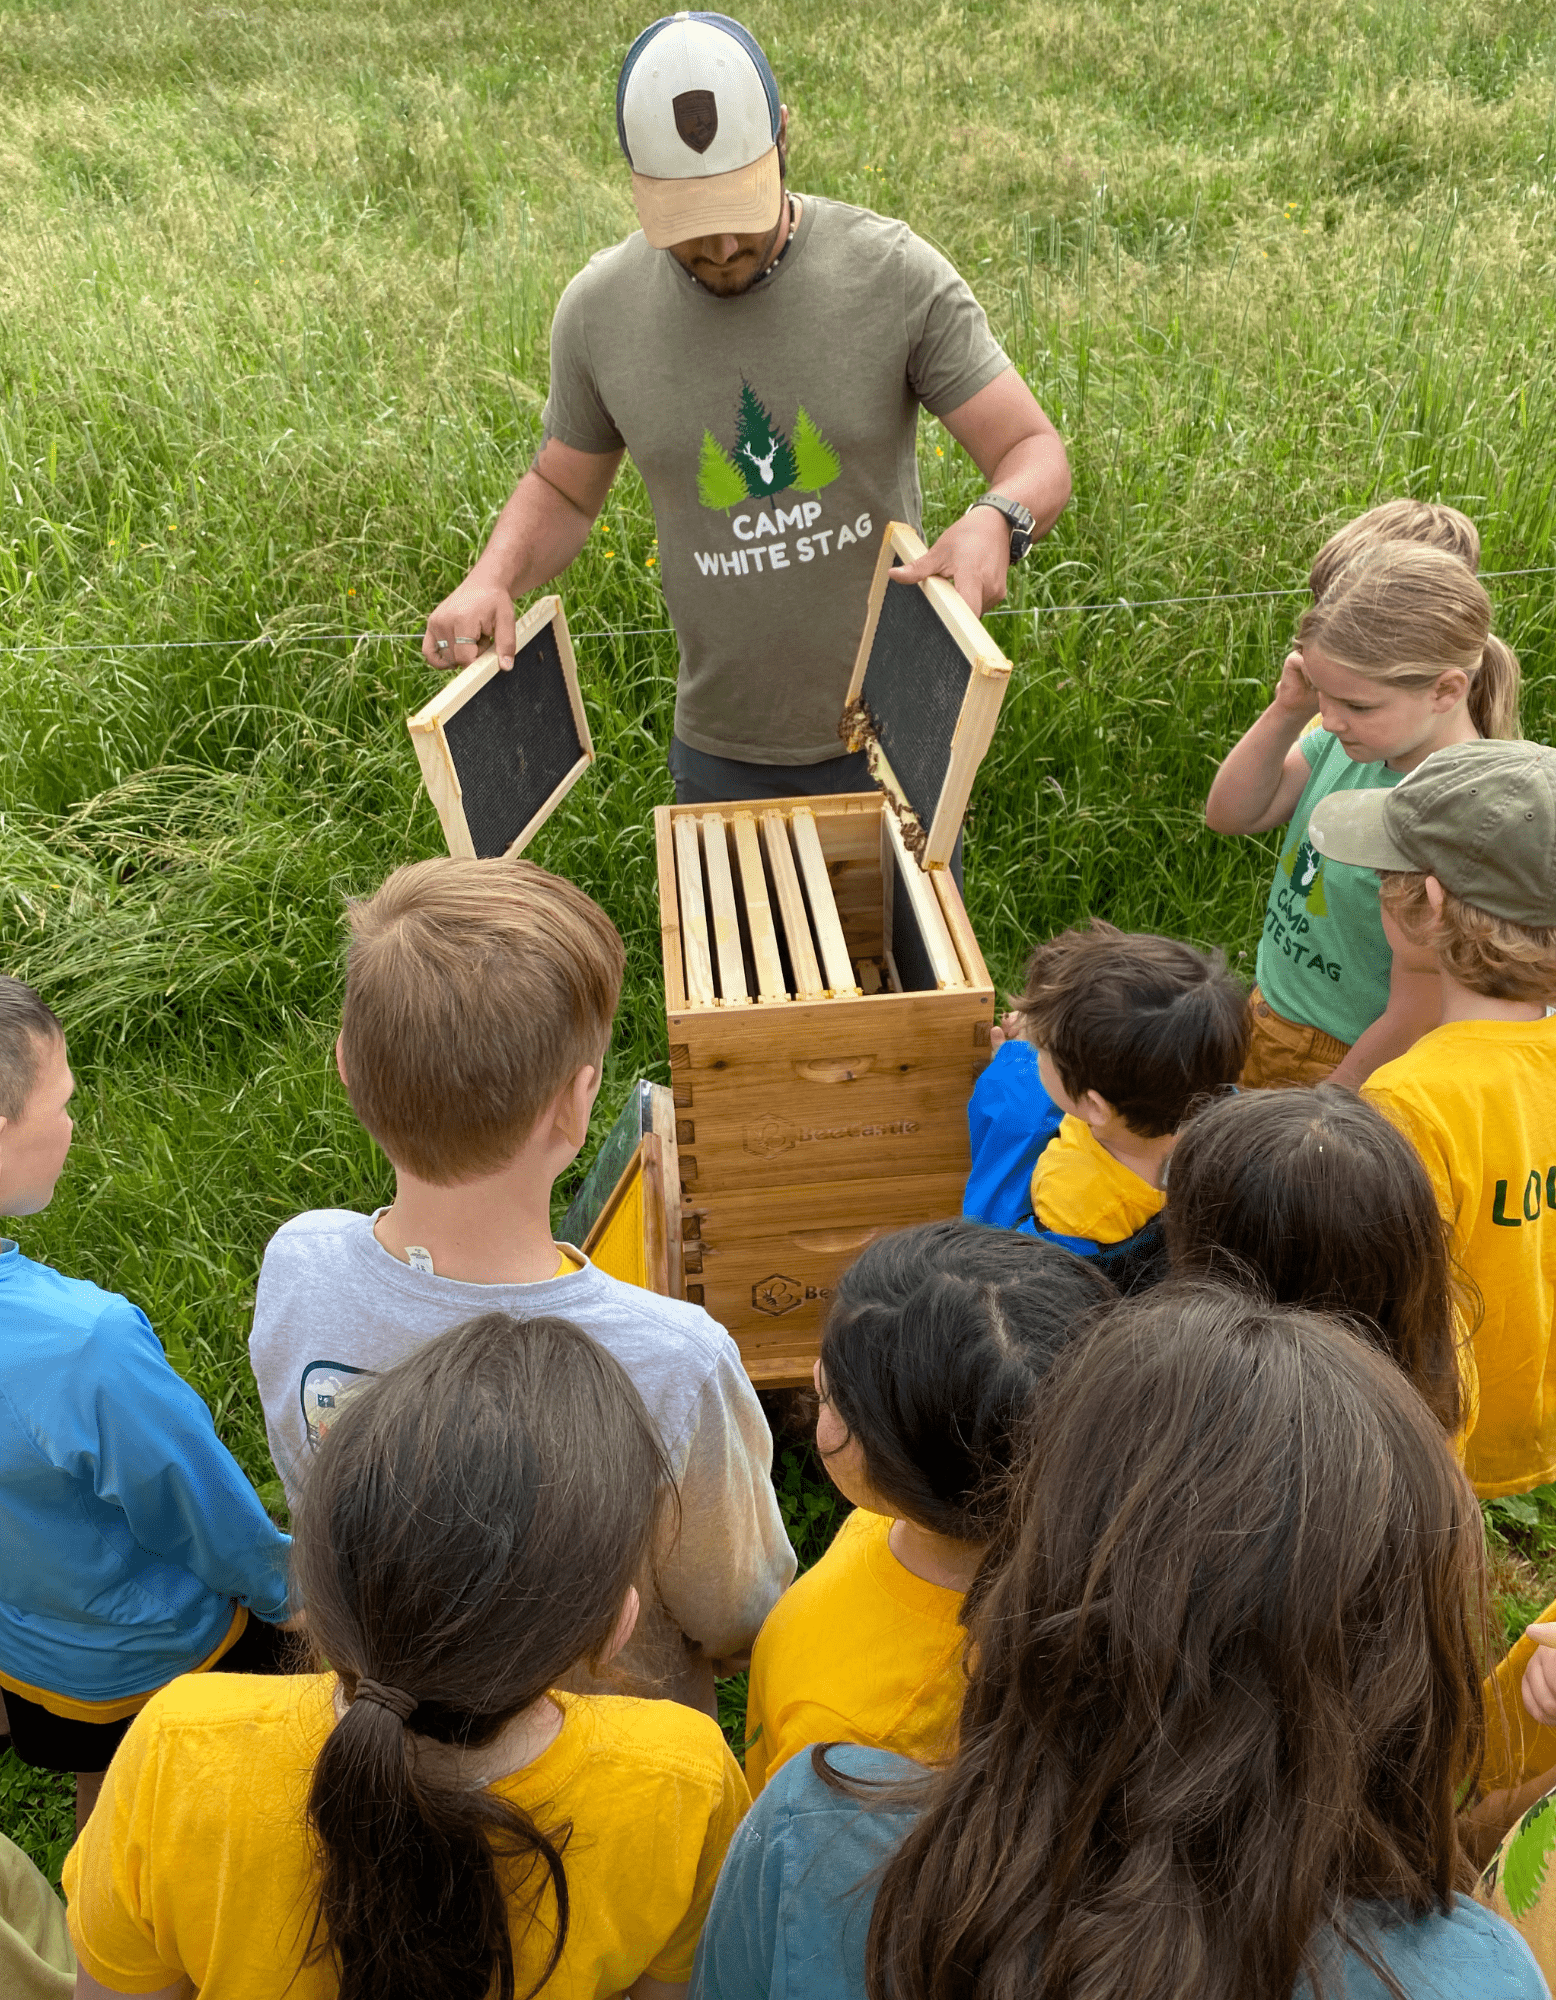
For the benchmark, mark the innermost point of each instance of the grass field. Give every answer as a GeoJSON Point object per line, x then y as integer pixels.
{"type": "Point", "coordinates": [275, 284]}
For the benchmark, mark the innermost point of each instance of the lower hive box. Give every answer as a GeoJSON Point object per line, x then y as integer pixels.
{"type": "Point", "coordinates": [829, 1012]}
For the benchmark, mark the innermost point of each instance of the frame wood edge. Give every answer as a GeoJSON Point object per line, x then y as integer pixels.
{"type": "Point", "coordinates": [671, 950]}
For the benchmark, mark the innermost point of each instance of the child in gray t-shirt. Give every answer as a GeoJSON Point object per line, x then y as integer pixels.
{"type": "Point", "coordinates": [479, 1000]}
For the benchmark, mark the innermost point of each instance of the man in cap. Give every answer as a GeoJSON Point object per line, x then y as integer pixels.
{"type": "Point", "coordinates": [763, 356]}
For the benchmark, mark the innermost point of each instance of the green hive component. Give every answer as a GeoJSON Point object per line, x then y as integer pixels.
{"type": "Point", "coordinates": [1528, 1856]}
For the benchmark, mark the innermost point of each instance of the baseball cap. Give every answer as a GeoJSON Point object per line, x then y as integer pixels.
{"type": "Point", "coordinates": [1479, 816]}
{"type": "Point", "coordinates": [697, 115]}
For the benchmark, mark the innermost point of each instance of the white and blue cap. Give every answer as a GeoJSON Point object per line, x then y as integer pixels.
{"type": "Point", "coordinates": [697, 114]}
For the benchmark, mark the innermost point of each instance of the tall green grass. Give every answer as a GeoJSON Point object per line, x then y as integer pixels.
{"type": "Point", "coordinates": [275, 287]}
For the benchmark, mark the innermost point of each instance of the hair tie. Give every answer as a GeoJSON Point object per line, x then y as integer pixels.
{"type": "Point", "coordinates": [381, 1695]}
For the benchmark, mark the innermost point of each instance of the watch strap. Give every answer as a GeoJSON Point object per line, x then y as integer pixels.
{"type": "Point", "coordinates": [1019, 518]}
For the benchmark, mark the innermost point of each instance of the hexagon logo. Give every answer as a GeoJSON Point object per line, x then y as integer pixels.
{"type": "Point", "coordinates": [777, 1295]}
{"type": "Point", "coordinates": [769, 1137]}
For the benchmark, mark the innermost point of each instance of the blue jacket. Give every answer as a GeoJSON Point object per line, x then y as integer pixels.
{"type": "Point", "coordinates": [127, 1528]}
{"type": "Point", "coordinates": [1010, 1119]}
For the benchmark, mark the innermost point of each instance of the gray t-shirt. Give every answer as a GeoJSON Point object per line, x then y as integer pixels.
{"type": "Point", "coordinates": [333, 1305]}
{"type": "Point", "coordinates": [776, 435]}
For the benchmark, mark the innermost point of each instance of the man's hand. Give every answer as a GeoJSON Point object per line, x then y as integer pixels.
{"type": "Point", "coordinates": [1540, 1675]}
{"type": "Point", "coordinates": [974, 553]}
{"type": "Point", "coordinates": [537, 535]}
{"type": "Point", "coordinates": [474, 614]}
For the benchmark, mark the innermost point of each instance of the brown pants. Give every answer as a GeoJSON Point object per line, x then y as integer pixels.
{"type": "Point", "coordinates": [1282, 1054]}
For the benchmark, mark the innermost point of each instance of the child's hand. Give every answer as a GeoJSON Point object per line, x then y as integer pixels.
{"type": "Point", "coordinates": [1006, 1029]}
{"type": "Point", "coordinates": [1294, 692]}
{"type": "Point", "coordinates": [1540, 1675]}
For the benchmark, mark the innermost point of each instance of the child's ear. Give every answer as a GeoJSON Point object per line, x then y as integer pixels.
{"type": "Point", "coordinates": [1434, 896]}
{"type": "Point", "coordinates": [575, 1101]}
{"type": "Point", "coordinates": [1096, 1110]}
{"type": "Point", "coordinates": [340, 1059]}
{"type": "Point", "coordinates": [626, 1624]}
{"type": "Point", "coordinates": [1450, 690]}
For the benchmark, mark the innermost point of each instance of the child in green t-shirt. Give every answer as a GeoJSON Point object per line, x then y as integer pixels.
{"type": "Point", "coordinates": [1396, 659]}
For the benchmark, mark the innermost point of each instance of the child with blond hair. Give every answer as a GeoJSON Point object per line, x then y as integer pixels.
{"type": "Point", "coordinates": [478, 1008]}
{"type": "Point", "coordinates": [1397, 659]}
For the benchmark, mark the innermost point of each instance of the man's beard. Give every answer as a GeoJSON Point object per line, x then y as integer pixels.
{"type": "Point", "coordinates": [728, 281]}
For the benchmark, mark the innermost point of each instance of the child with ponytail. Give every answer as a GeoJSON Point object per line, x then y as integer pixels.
{"type": "Point", "coordinates": [1397, 659]}
{"type": "Point", "coordinates": [432, 1819]}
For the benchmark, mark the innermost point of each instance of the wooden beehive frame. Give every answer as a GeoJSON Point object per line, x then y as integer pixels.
{"type": "Point", "coordinates": [990, 673]}
{"type": "Point", "coordinates": [711, 872]}
{"type": "Point", "coordinates": [426, 726]}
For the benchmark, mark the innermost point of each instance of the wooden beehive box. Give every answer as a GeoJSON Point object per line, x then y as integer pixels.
{"type": "Point", "coordinates": [828, 1005]}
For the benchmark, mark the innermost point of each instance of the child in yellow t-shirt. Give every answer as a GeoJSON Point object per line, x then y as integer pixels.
{"type": "Point", "coordinates": [934, 1350]}
{"type": "Point", "coordinates": [1131, 1033]}
{"type": "Point", "coordinates": [1467, 849]}
{"type": "Point", "coordinates": [417, 1819]}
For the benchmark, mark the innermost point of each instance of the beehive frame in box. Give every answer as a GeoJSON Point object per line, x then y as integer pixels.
{"type": "Point", "coordinates": [500, 751]}
{"type": "Point", "coordinates": [829, 1012]}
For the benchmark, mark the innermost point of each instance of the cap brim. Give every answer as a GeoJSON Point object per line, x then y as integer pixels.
{"type": "Point", "coordinates": [744, 202]}
{"type": "Point", "coordinates": [1350, 827]}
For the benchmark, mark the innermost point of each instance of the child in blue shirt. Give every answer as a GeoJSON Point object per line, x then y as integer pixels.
{"type": "Point", "coordinates": [1113, 1042]}
{"type": "Point", "coordinates": [132, 1547]}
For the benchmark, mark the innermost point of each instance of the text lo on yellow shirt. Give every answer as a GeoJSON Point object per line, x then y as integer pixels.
{"type": "Point", "coordinates": [1477, 1099]}
{"type": "Point", "coordinates": [858, 1650]}
{"type": "Point", "coordinates": [196, 1860]}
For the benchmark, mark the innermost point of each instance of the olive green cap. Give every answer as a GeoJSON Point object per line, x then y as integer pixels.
{"type": "Point", "coordinates": [1479, 816]}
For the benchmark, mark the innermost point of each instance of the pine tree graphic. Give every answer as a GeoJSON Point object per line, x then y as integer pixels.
{"type": "Point", "coordinates": [762, 452]}
{"type": "Point", "coordinates": [816, 464]}
{"type": "Point", "coordinates": [719, 481]}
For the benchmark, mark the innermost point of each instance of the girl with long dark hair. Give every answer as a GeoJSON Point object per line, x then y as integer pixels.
{"type": "Point", "coordinates": [935, 1350]}
{"type": "Point", "coordinates": [431, 1819]}
{"type": "Point", "coordinates": [1222, 1707]}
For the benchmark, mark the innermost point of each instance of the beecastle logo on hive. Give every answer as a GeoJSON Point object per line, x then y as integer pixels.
{"type": "Point", "coordinates": [764, 462]}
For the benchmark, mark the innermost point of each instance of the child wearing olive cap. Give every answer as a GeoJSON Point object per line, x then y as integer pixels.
{"type": "Point", "coordinates": [1466, 848]}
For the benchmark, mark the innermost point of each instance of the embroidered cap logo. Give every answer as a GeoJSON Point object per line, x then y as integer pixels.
{"type": "Point", "coordinates": [696, 118]}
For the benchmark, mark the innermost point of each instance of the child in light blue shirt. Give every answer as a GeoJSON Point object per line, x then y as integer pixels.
{"type": "Point", "coordinates": [132, 1547]}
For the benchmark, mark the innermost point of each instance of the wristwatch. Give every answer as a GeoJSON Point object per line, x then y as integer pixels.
{"type": "Point", "coordinates": [1021, 520]}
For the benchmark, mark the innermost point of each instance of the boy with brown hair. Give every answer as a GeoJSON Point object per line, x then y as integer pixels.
{"type": "Point", "coordinates": [1131, 1032]}
{"type": "Point", "coordinates": [478, 1008]}
{"type": "Point", "coordinates": [1466, 847]}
